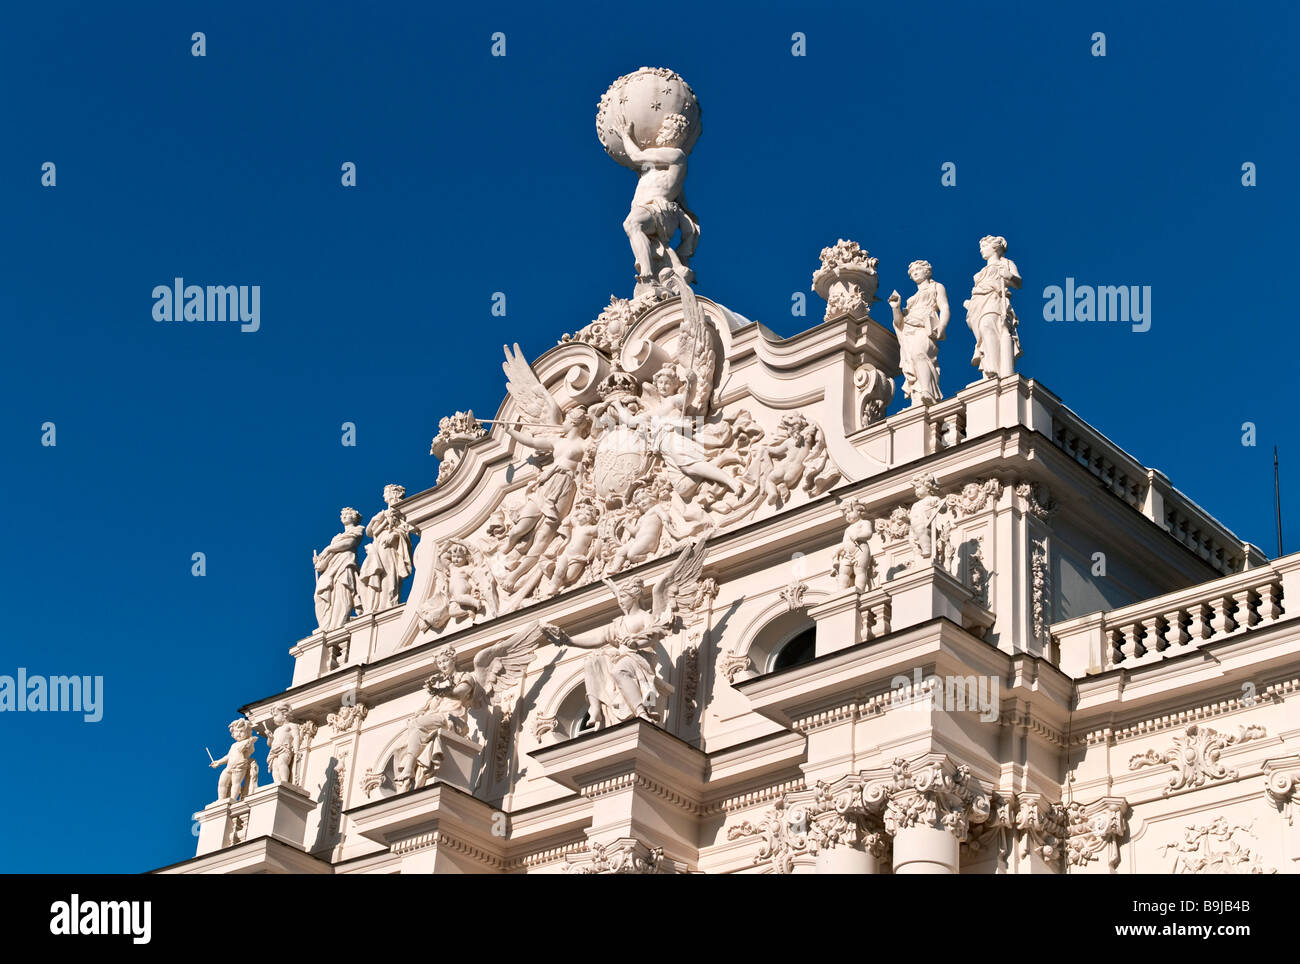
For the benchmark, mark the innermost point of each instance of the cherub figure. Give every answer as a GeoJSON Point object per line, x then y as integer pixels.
{"type": "Point", "coordinates": [649, 520]}
{"type": "Point", "coordinates": [929, 522]}
{"type": "Point", "coordinates": [852, 560]}
{"type": "Point", "coordinates": [239, 778]}
{"type": "Point", "coordinates": [453, 693]}
{"type": "Point", "coordinates": [581, 535]}
{"type": "Point", "coordinates": [620, 675]}
{"type": "Point", "coordinates": [458, 591]}
{"type": "Point", "coordinates": [797, 452]}
{"type": "Point", "coordinates": [670, 431]}
{"type": "Point", "coordinates": [336, 573]}
{"type": "Point", "coordinates": [659, 205]}
{"type": "Point", "coordinates": [388, 556]}
{"type": "Point", "coordinates": [285, 743]}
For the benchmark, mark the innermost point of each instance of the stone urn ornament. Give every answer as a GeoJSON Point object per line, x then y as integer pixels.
{"type": "Point", "coordinates": [847, 280]}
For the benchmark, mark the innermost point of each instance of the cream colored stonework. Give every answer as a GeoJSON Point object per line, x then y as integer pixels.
{"type": "Point", "coordinates": [692, 603]}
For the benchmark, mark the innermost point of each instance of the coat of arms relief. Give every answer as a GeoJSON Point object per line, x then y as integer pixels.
{"type": "Point", "coordinates": [639, 462]}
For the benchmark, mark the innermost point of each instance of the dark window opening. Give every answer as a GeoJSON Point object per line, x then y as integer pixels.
{"type": "Point", "coordinates": [801, 649]}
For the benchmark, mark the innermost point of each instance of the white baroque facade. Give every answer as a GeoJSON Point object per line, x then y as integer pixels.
{"type": "Point", "coordinates": [691, 603]}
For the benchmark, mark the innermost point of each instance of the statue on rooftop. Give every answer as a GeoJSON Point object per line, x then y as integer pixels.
{"type": "Point", "coordinates": [239, 778]}
{"type": "Point", "coordinates": [336, 573]}
{"type": "Point", "coordinates": [388, 557]}
{"type": "Point", "coordinates": [989, 313]}
{"type": "Point", "coordinates": [286, 744]}
{"type": "Point", "coordinates": [649, 120]}
{"type": "Point", "coordinates": [920, 326]}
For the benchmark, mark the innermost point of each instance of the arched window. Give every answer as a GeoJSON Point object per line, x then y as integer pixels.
{"type": "Point", "coordinates": [783, 641]}
{"type": "Point", "coordinates": [573, 717]}
{"type": "Point", "coordinates": [799, 649]}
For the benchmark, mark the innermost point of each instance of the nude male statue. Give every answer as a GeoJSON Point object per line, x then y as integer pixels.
{"type": "Point", "coordinates": [659, 204]}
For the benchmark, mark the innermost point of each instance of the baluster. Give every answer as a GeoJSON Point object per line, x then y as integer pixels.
{"type": "Point", "coordinates": [1246, 615]}
{"type": "Point", "coordinates": [1151, 639]}
{"type": "Point", "coordinates": [1270, 601]}
{"type": "Point", "coordinates": [1223, 621]}
{"type": "Point", "coordinates": [1198, 621]}
{"type": "Point", "coordinates": [1175, 634]}
{"type": "Point", "coordinates": [1113, 656]}
{"type": "Point", "coordinates": [1130, 635]}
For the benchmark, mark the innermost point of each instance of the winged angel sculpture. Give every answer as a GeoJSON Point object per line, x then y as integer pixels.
{"type": "Point", "coordinates": [454, 693]}
{"type": "Point", "coordinates": [620, 674]}
{"type": "Point", "coordinates": [562, 439]}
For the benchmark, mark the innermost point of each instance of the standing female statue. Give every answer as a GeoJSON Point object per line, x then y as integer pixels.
{"type": "Point", "coordinates": [336, 573]}
{"type": "Point", "coordinates": [989, 313]}
{"type": "Point", "coordinates": [920, 326]}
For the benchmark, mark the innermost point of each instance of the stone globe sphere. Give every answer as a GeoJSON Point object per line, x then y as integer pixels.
{"type": "Point", "coordinates": [647, 98]}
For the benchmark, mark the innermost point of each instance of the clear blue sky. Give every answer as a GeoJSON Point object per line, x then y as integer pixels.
{"type": "Point", "coordinates": [479, 174]}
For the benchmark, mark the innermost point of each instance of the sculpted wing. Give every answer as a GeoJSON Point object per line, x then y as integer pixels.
{"type": "Point", "coordinates": [501, 666]}
{"type": "Point", "coordinates": [682, 578]}
{"type": "Point", "coordinates": [525, 388]}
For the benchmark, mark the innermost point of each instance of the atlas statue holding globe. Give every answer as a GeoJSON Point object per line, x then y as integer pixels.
{"type": "Point", "coordinates": [648, 121]}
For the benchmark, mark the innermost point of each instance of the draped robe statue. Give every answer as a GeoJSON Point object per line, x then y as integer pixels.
{"type": "Point", "coordinates": [920, 326]}
{"type": "Point", "coordinates": [989, 313]}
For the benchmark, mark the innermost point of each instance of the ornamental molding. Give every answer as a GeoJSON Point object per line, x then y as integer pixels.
{"type": "Point", "coordinates": [791, 829]}
{"type": "Point", "coordinates": [1035, 499]}
{"type": "Point", "coordinates": [547, 855]}
{"type": "Point", "coordinates": [754, 798]}
{"type": "Point", "coordinates": [793, 595]}
{"type": "Point", "coordinates": [1041, 580]}
{"type": "Point", "coordinates": [732, 664]}
{"type": "Point", "coordinates": [1281, 778]}
{"type": "Point", "coordinates": [626, 855]}
{"type": "Point", "coordinates": [1032, 825]}
{"type": "Point", "coordinates": [634, 459]}
{"type": "Point", "coordinates": [456, 433]}
{"type": "Point", "coordinates": [1095, 829]}
{"type": "Point", "coordinates": [543, 725]}
{"type": "Point", "coordinates": [927, 527]}
{"type": "Point", "coordinates": [348, 718]}
{"type": "Point", "coordinates": [690, 677]}
{"type": "Point", "coordinates": [445, 841]}
{"type": "Point", "coordinates": [1034, 724]}
{"type": "Point", "coordinates": [1195, 756]}
{"type": "Point", "coordinates": [638, 781]}
{"type": "Point", "coordinates": [1110, 736]}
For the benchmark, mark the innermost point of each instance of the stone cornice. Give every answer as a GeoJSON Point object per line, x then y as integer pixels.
{"type": "Point", "coordinates": [1111, 735]}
